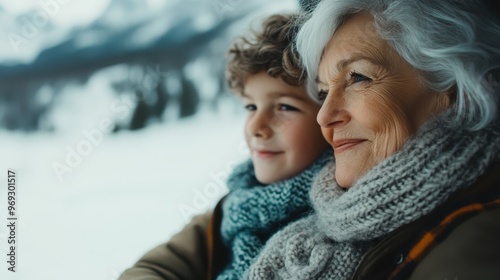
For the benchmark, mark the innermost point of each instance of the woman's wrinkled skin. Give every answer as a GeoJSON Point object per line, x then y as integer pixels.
{"type": "Point", "coordinates": [372, 97]}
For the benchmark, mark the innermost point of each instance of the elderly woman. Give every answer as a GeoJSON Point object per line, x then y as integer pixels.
{"type": "Point", "coordinates": [410, 98]}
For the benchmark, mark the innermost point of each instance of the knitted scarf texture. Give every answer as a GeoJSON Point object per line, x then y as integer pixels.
{"type": "Point", "coordinates": [329, 244]}
{"type": "Point", "coordinates": [252, 212]}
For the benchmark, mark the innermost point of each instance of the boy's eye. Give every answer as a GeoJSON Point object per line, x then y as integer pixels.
{"type": "Point", "coordinates": [250, 107]}
{"type": "Point", "coordinates": [355, 77]}
{"type": "Point", "coordinates": [322, 95]}
{"type": "Point", "coordinates": [284, 107]}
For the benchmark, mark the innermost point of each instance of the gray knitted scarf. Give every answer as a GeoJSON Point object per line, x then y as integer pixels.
{"type": "Point", "coordinates": [330, 243]}
{"type": "Point", "coordinates": [252, 212]}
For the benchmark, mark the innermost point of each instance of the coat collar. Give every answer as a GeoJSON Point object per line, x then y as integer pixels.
{"type": "Point", "coordinates": [397, 255]}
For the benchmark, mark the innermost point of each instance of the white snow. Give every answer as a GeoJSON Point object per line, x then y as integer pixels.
{"type": "Point", "coordinates": [131, 193]}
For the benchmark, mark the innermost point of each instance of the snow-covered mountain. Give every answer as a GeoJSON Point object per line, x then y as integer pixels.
{"type": "Point", "coordinates": [157, 34]}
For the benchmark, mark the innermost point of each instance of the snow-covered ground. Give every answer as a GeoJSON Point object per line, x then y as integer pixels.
{"type": "Point", "coordinates": [90, 202]}
{"type": "Point", "coordinates": [131, 192]}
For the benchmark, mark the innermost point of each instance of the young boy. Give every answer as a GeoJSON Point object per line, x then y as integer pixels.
{"type": "Point", "coordinates": [266, 192]}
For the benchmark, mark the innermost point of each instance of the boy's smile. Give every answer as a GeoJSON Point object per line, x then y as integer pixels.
{"type": "Point", "coordinates": [281, 129]}
{"type": "Point", "coordinates": [267, 153]}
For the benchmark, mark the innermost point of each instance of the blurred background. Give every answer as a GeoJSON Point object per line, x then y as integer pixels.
{"type": "Point", "coordinates": [116, 118]}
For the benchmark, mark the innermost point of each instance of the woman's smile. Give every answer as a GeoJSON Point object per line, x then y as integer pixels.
{"type": "Point", "coordinates": [345, 144]}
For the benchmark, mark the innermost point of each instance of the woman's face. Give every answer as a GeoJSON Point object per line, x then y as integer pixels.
{"type": "Point", "coordinates": [373, 100]}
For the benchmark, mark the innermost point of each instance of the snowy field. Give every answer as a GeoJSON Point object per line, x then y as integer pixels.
{"type": "Point", "coordinates": [130, 193]}
{"type": "Point", "coordinates": [90, 202]}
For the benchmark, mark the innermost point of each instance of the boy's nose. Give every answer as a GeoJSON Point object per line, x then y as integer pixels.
{"type": "Point", "coordinates": [264, 132]}
{"type": "Point", "coordinates": [260, 126]}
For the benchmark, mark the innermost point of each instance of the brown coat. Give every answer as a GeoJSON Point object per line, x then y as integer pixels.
{"type": "Point", "coordinates": [458, 240]}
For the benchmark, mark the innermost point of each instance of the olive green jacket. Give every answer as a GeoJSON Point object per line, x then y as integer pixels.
{"type": "Point", "coordinates": [460, 240]}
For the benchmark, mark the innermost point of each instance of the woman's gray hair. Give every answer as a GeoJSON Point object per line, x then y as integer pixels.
{"type": "Point", "coordinates": [454, 44]}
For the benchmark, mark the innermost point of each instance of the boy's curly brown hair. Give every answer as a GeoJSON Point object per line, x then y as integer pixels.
{"type": "Point", "coordinates": [271, 50]}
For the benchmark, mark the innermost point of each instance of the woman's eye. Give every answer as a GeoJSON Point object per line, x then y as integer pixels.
{"type": "Point", "coordinates": [322, 95]}
{"type": "Point", "coordinates": [355, 77]}
{"type": "Point", "coordinates": [250, 107]}
{"type": "Point", "coordinates": [284, 107]}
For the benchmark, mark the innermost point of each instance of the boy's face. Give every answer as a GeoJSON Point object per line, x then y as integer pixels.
{"type": "Point", "coordinates": [281, 129]}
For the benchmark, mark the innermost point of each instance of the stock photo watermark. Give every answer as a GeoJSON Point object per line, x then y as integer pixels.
{"type": "Point", "coordinates": [213, 189]}
{"type": "Point", "coordinates": [223, 7]}
{"type": "Point", "coordinates": [94, 137]}
{"type": "Point", "coordinates": [31, 26]}
{"type": "Point", "coordinates": [115, 274]}
{"type": "Point", "coordinates": [11, 239]}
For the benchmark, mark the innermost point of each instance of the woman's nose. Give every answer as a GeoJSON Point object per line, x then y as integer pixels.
{"type": "Point", "coordinates": [333, 112]}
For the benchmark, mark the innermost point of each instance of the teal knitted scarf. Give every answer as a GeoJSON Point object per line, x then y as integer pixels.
{"type": "Point", "coordinates": [252, 212]}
